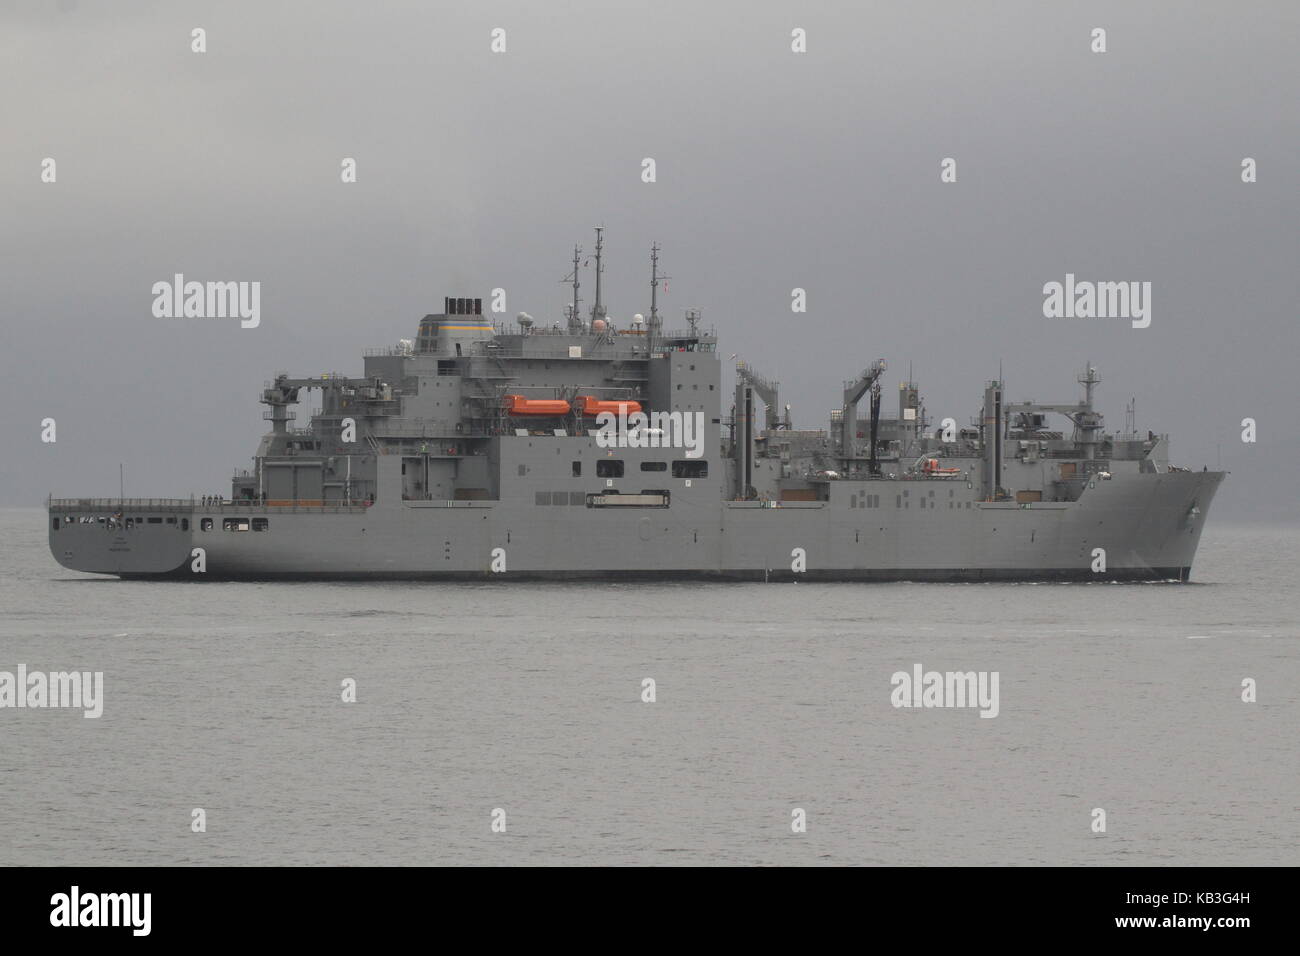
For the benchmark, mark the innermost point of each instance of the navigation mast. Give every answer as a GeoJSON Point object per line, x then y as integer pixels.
{"type": "Point", "coordinates": [575, 323]}
{"type": "Point", "coordinates": [654, 289]}
{"type": "Point", "coordinates": [598, 310]}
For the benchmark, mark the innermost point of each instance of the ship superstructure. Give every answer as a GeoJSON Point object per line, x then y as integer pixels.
{"type": "Point", "coordinates": [586, 449]}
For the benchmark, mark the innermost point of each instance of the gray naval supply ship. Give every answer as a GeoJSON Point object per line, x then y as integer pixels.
{"type": "Point", "coordinates": [590, 451]}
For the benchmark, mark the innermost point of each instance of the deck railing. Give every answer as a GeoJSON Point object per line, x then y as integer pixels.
{"type": "Point", "coordinates": [205, 503]}
{"type": "Point", "coordinates": [120, 504]}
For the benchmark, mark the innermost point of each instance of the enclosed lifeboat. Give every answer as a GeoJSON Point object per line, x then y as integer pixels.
{"type": "Point", "coordinates": [518, 405]}
{"type": "Point", "coordinates": [590, 405]}
{"type": "Point", "coordinates": [931, 467]}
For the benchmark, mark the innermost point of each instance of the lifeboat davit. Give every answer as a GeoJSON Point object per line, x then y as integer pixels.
{"type": "Point", "coordinates": [590, 405]}
{"type": "Point", "coordinates": [518, 405]}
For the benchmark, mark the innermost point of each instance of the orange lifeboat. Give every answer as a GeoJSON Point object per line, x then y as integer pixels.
{"type": "Point", "coordinates": [931, 467]}
{"type": "Point", "coordinates": [590, 405]}
{"type": "Point", "coordinates": [518, 405]}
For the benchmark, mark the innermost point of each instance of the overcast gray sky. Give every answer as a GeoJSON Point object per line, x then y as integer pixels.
{"type": "Point", "coordinates": [774, 170]}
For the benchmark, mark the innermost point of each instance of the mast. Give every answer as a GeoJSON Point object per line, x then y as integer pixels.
{"type": "Point", "coordinates": [575, 323]}
{"type": "Point", "coordinates": [598, 310]}
{"type": "Point", "coordinates": [654, 289]}
{"type": "Point", "coordinates": [1088, 422]}
{"type": "Point", "coordinates": [1088, 380]}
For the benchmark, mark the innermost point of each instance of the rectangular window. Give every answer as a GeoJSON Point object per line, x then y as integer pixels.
{"type": "Point", "coordinates": [185, 524]}
{"type": "Point", "coordinates": [654, 466]}
{"type": "Point", "coordinates": [56, 524]}
{"type": "Point", "coordinates": [541, 498]}
{"type": "Point", "coordinates": [206, 524]}
{"type": "Point", "coordinates": [234, 524]}
{"type": "Point", "coordinates": [261, 524]}
{"type": "Point", "coordinates": [171, 520]}
{"type": "Point", "coordinates": [609, 468]}
{"type": "Point", "coordinates": [155, 520]}
{"type": "Point", "coordinates": [577, 469]}
{"type": "Point", "coordinates": [576, 498]}
{"type": "Point", "coordinates": [690, 469]}
{"type": "Point", "coordinates": [612, 499]}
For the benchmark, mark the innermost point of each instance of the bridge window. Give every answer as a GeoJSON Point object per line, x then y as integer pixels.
{"type": "Point", "coordinates": [690, 469]}
{"type": "Point", "coordinates": [654, 466]}
{"type": "Point", "coordinates": [234, 524]}
{"type": "Point", "coordinates": [261, 524]}
{"type": "Point", "coordinates": [609, 468]}
{"type": "Point", "coordinates": [155, 520]}
{"type": "Point", "coordinates": [577, 469]}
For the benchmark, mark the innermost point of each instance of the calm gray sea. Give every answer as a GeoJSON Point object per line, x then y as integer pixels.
{"type": "Point", "coordinates": [769, 698]}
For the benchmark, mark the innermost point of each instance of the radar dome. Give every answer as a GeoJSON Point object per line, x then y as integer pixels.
{"type": "Point", "coordinates": [599, 325]}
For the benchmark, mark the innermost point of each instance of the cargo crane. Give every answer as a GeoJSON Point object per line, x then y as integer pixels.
{"type": "Point", "coordinates": [853, 392]}
{"type": "Point", "coordinates": [873, 465]}
{"type": "Point", "coordinates": [747, 383]}
{"type": "Point", "coordinates": [767, 391]}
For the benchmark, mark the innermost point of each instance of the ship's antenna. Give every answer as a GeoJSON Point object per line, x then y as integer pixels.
{"type": "Point", "coordinates": [654, 288]}
{"type": "Point", "coordinates": [575, 323]}
{"type": "Point", "coordinates": [598, 310]}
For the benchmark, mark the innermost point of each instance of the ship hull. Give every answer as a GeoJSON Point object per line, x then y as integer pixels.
{"type": "Point", "coordinates": [1147, 524]}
